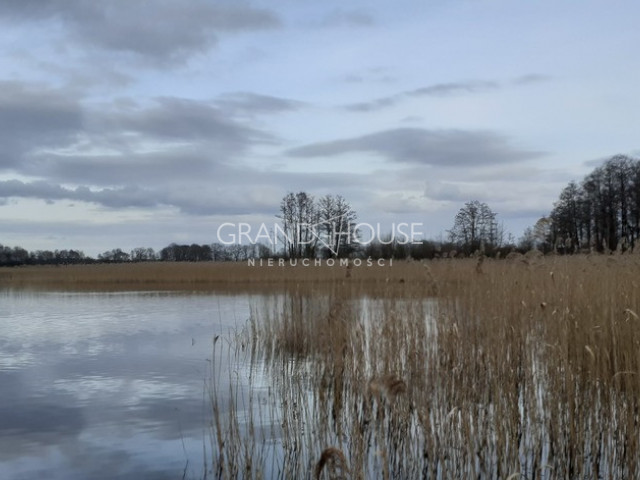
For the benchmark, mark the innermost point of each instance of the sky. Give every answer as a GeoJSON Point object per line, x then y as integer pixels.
{"type": "Point", "coordinates": [139, 124]}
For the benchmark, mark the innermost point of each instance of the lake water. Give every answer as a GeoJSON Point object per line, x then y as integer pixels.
{"type": "Point", "coordinates": [109, 385]}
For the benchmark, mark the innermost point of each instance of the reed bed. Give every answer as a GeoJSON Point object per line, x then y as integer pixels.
{"type": "Point", "coordinates": [520, 368]}
{"type": "Point", "coordinates": [203, 276]}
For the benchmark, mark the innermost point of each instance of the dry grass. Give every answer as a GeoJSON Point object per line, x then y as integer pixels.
{"type": "Point", "coordinates": [196, 276]}
{"type": "Point", "coordinates": [523, 368]}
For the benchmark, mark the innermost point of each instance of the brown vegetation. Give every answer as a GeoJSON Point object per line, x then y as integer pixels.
{"type": "Point", "coordinates": [193, 275]}
{"type": "Point", "coordinates": [523, 368]}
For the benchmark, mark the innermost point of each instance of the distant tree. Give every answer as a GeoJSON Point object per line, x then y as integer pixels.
{"type": "Point", "coordinates": [20, 256]}
{"type": "Point", "coordinates": [219, 252]}
{"type": "Point", "coordinates": [527, 241]}
{"type": "Point", "coordinates": [69, 257]}
{"type": "Point", "coordinates": [566, 220]}
{"type": "Point", "coordinates": [299, 215]}
{"type": "Point", "coordinates": [542, 234]}
{"type": "Point", "coordinates": [199, 253]}
{"type": "Point", "coordinates": [602, 212]}
{"type": "Point", "coordinates": [475, 228]}
{"type": "Point", "coordinates": [424, 249]}
{"type": "Point", "coordinates": [186, 253]}
{"type": "Point", "coordinates": [168, 253]}
{"type": "Point", "coordinates": [42, 257]}
{"type": "Point", "coordinates": [312, 227]}
{"type": "Point", "coordinates": [114, 256]}
{"type": "Point", "coordinates": [336, 223]}
{"type": "Point", "coordinates": [261, 251]}
{"type": "Point", "coordinates": [237, 252]}
{"type": "Point", "coordinates": [537, 237]}
{"type": "Point", "coordinates": [288, 216]}
{"type": "Point", "coordinates": [13, 256]}
{"type": "Point", "coordinates": [142, 254]}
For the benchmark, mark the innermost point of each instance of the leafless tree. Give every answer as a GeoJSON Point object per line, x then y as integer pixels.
{"type": "Point", "coordinates": [475, 227]}
{"type": "Point", "coordinates": [337, 225]}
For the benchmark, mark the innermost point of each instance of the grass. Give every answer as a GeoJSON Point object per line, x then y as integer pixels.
{"type": "Point", "coordinates": [519, 368]}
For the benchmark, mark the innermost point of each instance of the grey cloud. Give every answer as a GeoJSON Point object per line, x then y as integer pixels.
{"type": "Point", "coordinates": [34, 116]}
{"type": "Point", "coordinates": [348, 18]}
{"type": "Point", "coordinates": [247, 103]}
{"type": "Point", "coordinates": [163, 30]}
{"type": "Point", "coordinates": [188, 137]}
{"type": "Point", "coordinates": [374, 75]}
{"type": "Point", "coordinates": [172, 164]}
{"type": "Point", "coordinates": [182, 119]}
{"type": "Point", "coordinates": [172, 138]}
{"type": "Point", "coordinates": [110, 197]}
{"type": "Point", "coordinates": [459, 193]}
{"type": "Point", "coordinates": [377, 104]}
{"type": "Point", "coordinates": [191, 198]}
{"type": "Point", "coordinates": [527, 197]}
{"type": "Point", "coordinates": [443, 89]}
{"type": "Point", "coordinates": [89, 76]}
{"type": "Point", "coordinates": [451, 148]}
{"type": "Point", "coordinates": [445, 191]}
{"type": "Point", "coordinates": [436, 90]}
{"type": "Point", "coordinates": [229, 191]}
{"type": "Point", "coordinates": [531, 79]}
{"type": "Point", "coordinates": [412, 119]}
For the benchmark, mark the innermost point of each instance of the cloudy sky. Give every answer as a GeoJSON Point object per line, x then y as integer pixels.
{"type": "Point", "coordinates": [127, 124]}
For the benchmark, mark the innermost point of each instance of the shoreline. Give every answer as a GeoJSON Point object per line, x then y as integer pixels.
{"type": "Point", "coordinates": [397, 277]}
{"type": "Point", "coordinates": [202, 276]}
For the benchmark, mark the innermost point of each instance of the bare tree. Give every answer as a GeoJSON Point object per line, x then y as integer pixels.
{"type": "Point", "coordinates": [603, 212]}
{"type": "Point", "coordinates": [299, 216]}
{"type": "Point", "coordinates": [538, 236]}
{"type": "Point", "coordinates": [309, 225]}
{"type": "Point", "coordinates": [142, 254]}
{"type": "Point", "coordinates": [337, 220]}
{"type": "Point", "coordinates": [475, 227]}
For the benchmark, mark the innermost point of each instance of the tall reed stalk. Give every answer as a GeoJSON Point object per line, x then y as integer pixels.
{"type": "Point", "coordinates": [523, 368]}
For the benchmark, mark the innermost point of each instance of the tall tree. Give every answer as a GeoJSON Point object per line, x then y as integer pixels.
{"type": "Point", "coordinates": [475, 227]}
{"type": "Point", "coordinates": [565, 220]}
{"type": "Point", "coordinates": [327, 224]}
{"type": "Point", "coordinates": [299, 215]}
{"type": "Point", "coordinates": [603, 212]}
{"type": "Point", "coordinates": [337, 220]}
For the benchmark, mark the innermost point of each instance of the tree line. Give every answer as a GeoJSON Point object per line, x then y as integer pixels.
{"type": "Point", "coordinates": [16, 256]}
{"type": "Point", "coordinates": [19, 256]}
{"type": "Point", "coordinates": [599, 214]}
{"type": "Point", "coordinates": [312, 228]}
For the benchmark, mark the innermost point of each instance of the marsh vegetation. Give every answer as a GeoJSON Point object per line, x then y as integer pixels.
{"type": "Point", "coordinates": [519, 368]}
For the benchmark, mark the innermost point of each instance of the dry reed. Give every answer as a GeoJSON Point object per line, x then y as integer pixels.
{"type": "Point", "coordinates": [521, 368]}
{"type": "Point", "coordinates": [203, 276]}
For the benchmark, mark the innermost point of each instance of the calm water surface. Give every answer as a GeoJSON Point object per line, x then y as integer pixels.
{"type": "Point", "coordinates": [109, 385]}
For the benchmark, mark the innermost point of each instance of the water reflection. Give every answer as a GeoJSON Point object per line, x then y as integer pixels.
{"type": "Point", "coordinates": [108, 385]}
